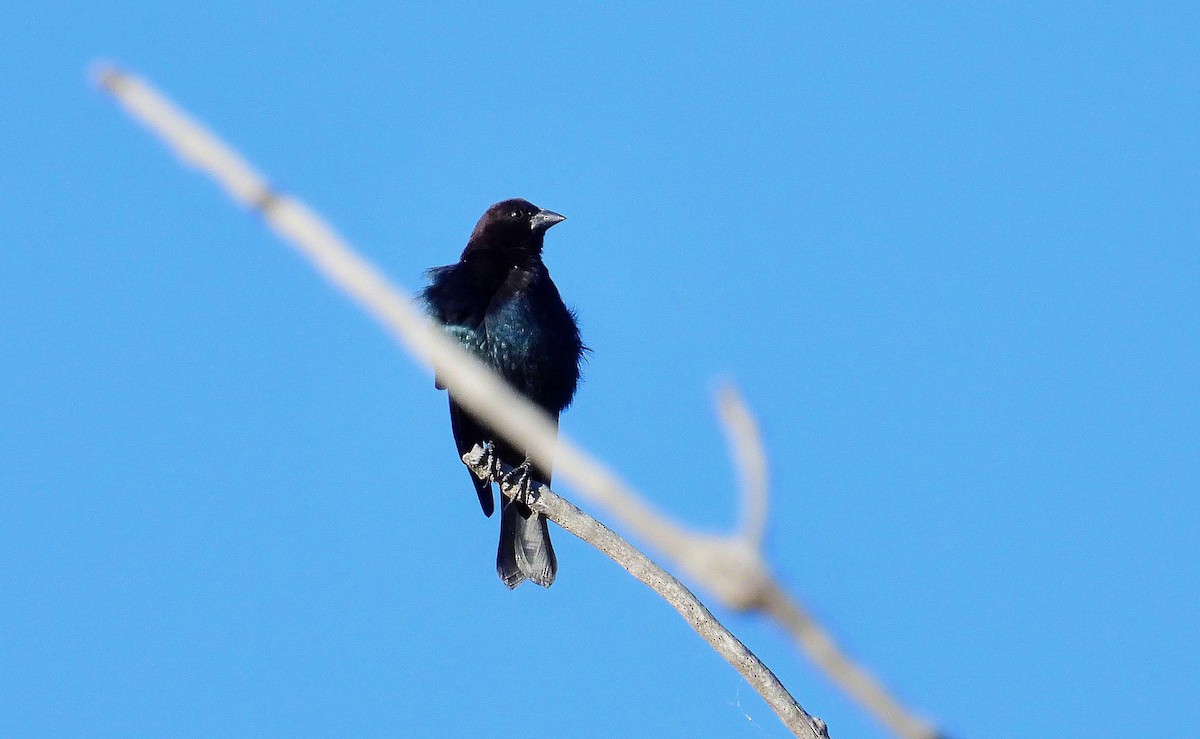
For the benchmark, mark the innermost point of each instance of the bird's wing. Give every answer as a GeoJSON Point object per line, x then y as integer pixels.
{"type": "Point", "coordinates": [450, 301]}
{"type": "Point", "coordinates": [450, 298]}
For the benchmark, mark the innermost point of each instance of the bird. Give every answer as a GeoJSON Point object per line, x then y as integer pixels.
{"type": "Point", "coordinates": [499, 302]}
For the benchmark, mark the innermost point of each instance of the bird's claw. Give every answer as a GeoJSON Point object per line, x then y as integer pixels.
{"type": "Point", "coordinates": [491, 461]}
{"type": "Point", "coordinates": [519, 482]}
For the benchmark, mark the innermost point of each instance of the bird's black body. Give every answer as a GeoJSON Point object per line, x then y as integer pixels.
{"type": "Point", "coordinates": [499, 301]}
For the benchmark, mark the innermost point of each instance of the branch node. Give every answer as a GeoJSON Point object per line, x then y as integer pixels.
{"type": "Point", "coordinates": [264, 200]}
{"type": "Point", "coordinates": [731, 567]}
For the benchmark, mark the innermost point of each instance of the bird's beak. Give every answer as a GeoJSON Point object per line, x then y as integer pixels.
{"type": "Point", "coordinates": [544, 219]}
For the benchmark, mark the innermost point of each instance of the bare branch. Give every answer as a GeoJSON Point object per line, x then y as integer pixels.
{"type": "Point", "coordinates": [545, 501]}
{"type": "Point", "coordinates": [732, 567]}
{"type": "Point", "coordinates": [857, 682]}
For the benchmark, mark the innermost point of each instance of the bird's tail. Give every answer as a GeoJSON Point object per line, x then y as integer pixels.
{"type": "Point", "coordinates": [525, 551]}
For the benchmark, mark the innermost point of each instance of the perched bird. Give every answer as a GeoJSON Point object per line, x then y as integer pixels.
{"type": "Point", "coordinates": [499, 301]}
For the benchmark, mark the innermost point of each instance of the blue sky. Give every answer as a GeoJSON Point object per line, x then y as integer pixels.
{"type": "Point", "coordinates": [949, 253]}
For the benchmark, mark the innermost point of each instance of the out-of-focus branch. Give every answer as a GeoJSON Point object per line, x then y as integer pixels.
{"type": "Point", "coordinates": [820, 647]}
{"type": "Point", "coordinates": [750, 457]}
{"type": "Point", "coordinates": [731, 567]}
{"type": "Point", "coordinates": [545, 501]}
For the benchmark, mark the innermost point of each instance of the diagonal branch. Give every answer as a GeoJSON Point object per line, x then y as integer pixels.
{"type": "Point", "coordinates": [731, 567]}
{"type": "Point", "coordinates": [561, 511]}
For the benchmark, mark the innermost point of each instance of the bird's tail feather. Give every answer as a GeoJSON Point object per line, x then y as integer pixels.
{"type": "Point", "coordinates": [525, 551]}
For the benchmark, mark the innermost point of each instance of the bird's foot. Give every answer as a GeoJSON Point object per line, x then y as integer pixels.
{"type": "Point", "coordinates": [519, 482]}
{"type": "Point", "coordinates": [491, 461]}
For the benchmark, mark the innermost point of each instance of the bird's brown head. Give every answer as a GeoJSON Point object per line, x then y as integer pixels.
{"type": "Point", "coordinates": [513, 224]}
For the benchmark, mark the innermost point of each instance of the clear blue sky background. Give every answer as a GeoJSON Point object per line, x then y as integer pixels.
{"type": "Point", "coordinates": [950, 254]}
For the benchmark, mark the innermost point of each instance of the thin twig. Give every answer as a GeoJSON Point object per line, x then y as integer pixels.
{"type": "Point", "coordinates": [732, 567]}
{"type": "Point", "coordinates": [746, 447]}
{"type": "Point", "coordinates": [545, 501]}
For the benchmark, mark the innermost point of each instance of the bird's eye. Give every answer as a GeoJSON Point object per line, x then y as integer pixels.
{"type": "Point", "coordinates": [515, 214]}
